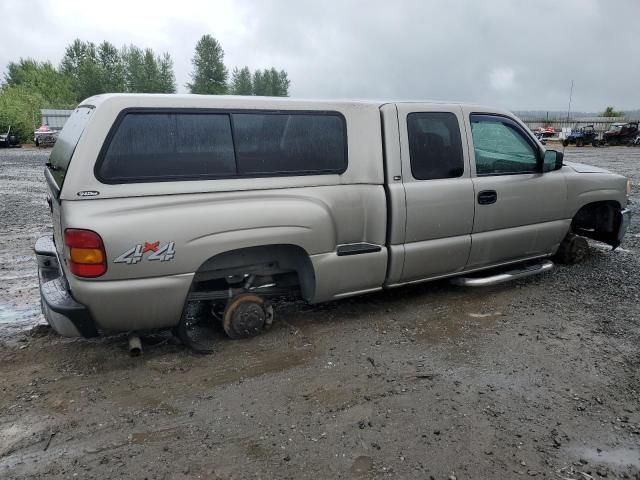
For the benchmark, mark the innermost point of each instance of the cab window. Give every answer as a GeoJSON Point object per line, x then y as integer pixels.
{"type": "Point", "coordinates": [435, 147]}
{"type": "Point", "coordinates": [500, 147]}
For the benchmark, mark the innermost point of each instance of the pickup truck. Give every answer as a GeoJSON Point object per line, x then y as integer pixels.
{"type": "Point", "coordinates": [170, 211]}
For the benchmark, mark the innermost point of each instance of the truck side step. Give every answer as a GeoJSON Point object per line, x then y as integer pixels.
{"type": "Point", "coordinates": [519, 272]}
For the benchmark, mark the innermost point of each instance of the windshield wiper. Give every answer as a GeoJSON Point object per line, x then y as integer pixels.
{"type": "Point", "coordinates": [52, 166]}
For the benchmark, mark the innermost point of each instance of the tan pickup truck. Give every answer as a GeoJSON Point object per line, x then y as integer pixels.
{"type": "Point", "coordinates": [163, 202]}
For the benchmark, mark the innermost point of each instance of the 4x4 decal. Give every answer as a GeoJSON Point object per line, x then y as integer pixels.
{"type": "Point", "coordinates": [135, 254]}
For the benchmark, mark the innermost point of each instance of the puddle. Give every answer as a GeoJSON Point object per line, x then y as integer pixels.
{"type": "Point", "coordinates": [140, 438]}
{"type": "Point", "coordinates": [18, 277]}
{"type": "Point", "coordinates": [231, 366]}
{"type": "Point", "coordinates": [10, 315]}
{"type": "Point", "coordinates": [361, 465]}
{"type": "Point", "coordinates": [484, 315]}
{"type": "Point", "coordinates": [620, 457]}
{"type": "Point", "coordinates": [446, 325]}
{"type": "Point", "coordinates": [256, 365]}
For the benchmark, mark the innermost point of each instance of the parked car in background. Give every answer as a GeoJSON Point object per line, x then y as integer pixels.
{"type": "Point", "coordinates": [540, 138]}
{"type": "Point", "coordinates": [171, 210]}
{"type": "Point", "coordinates": [582, 136]}
{"type": "Point", "coordinates": [620, 134]}
{"type": "Point", "coordinates": [546, 131]}
{"type": "Point", "coordinates": [44, 136]}
{"type": "Point", "coordinates": [8, 139]}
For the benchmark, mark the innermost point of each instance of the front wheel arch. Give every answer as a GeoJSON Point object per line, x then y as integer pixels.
{"type": "Point", "coordinates": [599, 221]}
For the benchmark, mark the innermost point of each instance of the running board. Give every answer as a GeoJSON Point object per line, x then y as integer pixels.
{"type": "Point", "coordinates": [507, 276]}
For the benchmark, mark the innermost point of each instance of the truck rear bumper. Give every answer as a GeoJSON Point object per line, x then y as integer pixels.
{"type": "Point", "coordinates": [65, 315]}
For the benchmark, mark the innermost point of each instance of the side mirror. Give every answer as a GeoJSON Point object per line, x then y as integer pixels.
{"type": "Point", "coordinates": [552, 160]}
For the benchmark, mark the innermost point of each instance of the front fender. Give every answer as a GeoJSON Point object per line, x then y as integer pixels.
{"type": "Point", "coordinates": [586, 188]}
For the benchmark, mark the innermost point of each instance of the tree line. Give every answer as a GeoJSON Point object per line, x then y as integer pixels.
{"type": "Point", "coordinates": [210, 76]}
{"type": "Point", "coordinates": [611, 112]}
{"type": "Point", "coordinates": [88, 69]}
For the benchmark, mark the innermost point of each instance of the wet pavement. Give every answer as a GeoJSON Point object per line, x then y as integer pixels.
{"type": "Point", "coordinates": [536, 378]}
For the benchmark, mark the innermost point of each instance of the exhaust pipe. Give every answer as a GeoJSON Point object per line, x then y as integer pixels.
{"type": "Point", "coordinates": [135, 345]}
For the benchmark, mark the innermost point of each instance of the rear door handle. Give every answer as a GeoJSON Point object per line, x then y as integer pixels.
{"type": "Point", "coordinates": [487, 197]}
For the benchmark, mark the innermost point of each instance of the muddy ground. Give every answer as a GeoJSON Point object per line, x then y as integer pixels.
{"type": "Point", "coordinates": [537, 378]}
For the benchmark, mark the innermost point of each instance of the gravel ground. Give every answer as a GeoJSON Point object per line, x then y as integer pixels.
{"type": "Point", "coordinates": [536, 378]}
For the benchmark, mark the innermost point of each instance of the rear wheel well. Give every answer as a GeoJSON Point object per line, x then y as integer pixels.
{"type": "Point", "coordinates": [599, 221]}
{"type": "Point", "coordinates": [287, 266]}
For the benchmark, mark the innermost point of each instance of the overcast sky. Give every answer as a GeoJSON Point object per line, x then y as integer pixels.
{"type": "Point", "coordinates": [518, 54]}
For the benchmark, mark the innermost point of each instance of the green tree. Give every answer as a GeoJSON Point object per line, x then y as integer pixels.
{"type": "Point", "coordinates": [113, 68]}
{"type": "Point", "coordinates": [270, 82]}
{"type": "Point", "coordinates": [73, 56]}
{"type": "Point", "coordinates": [167, 79]}
{"type": "Point", "coordinates": [209, 74]}
{"type": "Point", "coordinates": [20, 110]}
{"type": "Point", "coordinates": [146, 72]}
{"type": "Point", "coordinates": [90, 79]}
{"type": "Point", "coordinates": [278, 82]}
{"type": "Point", "coordinates": [283, 84]}
{"type": "Point", "coordinates": [241, 83]}
{"type": "Point", "coordinates": [42, 79]}
{"type": "Point", "coordinates": [151, 72]}
{"type": "Point", "coordinates": [610, 112]}
{"type": "Point", "coordinates": [105, 69]}
{"type": "Point", "coordinates": [260, 83]}
{"type": "Point", "coordinates": [80, 62]}
{"type": "Point", "coordinates": [85, 70]}
{"type": "Point", "coordinates": [133, 59]}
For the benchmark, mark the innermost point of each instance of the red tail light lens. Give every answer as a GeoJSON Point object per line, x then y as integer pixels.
{"type": "Point", "coordinates": [87, 257]}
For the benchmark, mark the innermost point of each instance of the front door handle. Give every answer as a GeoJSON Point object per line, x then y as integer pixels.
{"type": "Point", "coordinates": [487, 197]}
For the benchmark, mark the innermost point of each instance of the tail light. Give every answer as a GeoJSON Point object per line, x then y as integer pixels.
{"type": "Point", "coordinates": [87, 257]}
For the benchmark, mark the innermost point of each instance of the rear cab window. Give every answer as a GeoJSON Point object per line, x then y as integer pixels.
{"type": "Point", "coordinates": [152, 146]}
{"type": "Point", "coordinates": [435, 146]}
{"type": "Point", "coordinates": [65, 145]}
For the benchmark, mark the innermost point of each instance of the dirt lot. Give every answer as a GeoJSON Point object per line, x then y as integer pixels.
{"type": "Point", "coordinates": [534, 378]}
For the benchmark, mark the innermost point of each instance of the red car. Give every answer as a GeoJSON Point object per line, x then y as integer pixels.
{"type": "Point", "coordinates": [547, 131]}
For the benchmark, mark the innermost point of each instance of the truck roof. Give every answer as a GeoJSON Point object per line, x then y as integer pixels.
{"type": "Point", "coordinates": [222, 101]}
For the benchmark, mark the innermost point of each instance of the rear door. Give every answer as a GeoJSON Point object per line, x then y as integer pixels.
{"type": "Point", "coordinates": [438, 189]}
{"type": "Point", "coordinates": [518, 209]}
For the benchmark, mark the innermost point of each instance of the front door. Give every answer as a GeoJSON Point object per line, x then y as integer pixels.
{"type": "Point", "coordinates": [518, 209]}
{"type": "Point", "coordinates": [438, 190]}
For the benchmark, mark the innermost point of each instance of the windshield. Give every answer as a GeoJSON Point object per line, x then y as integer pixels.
{"type": "Point", "coordinates": [615, 128]}
{"type": "Point", "coordinates": [66, 143]}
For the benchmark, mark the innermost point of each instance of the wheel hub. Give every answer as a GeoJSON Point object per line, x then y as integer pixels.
{"type": "Point", "coordinates": [246, 316]}
{"type": "Point", "coordinates": [248, 319]}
